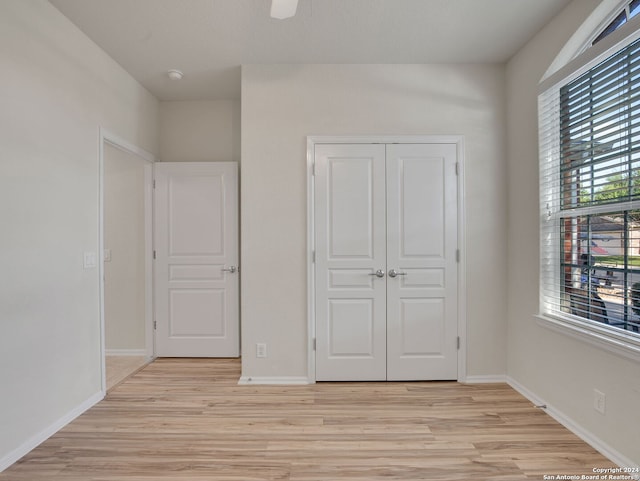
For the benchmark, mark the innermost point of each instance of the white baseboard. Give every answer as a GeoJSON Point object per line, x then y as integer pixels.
{"type": "Point", "coordinates": [125, 352]}
{"type": "Point", "coordinates": [281, 381]}
{"type": "Point", "coordinates": [484, 379]}
{"type": "Point", "coordinates": [46, 433]}
{"type": "Point", "coordinates": [575, 428]}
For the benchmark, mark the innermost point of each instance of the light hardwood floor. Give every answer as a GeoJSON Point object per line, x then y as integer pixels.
{"type": "Point", "coordinates": [184, 420]}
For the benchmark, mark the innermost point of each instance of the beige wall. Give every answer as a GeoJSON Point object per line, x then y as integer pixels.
{"type": "Point", "coordinates": [281, 105]}
{"type": "Point", "coordinates": [124, 237]}
{"type": "Point", "coordinates": [560, 370]}
{"type": "Point", "coordinates": [198, 131]}
{"type": "Point", "coordinates": [56, 89]}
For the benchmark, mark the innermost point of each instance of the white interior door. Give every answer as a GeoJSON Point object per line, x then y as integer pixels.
{"type": "Point", "coordinates": [196, 266]}
{"type": "Point", "coordinates": [392, 210]}
{"type": "Point", "coordinates": [350, 249]}
{"type": "Point", "coordinates": [422, 236]}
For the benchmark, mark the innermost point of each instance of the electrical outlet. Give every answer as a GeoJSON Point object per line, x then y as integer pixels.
{"type": "Point", "coordinates": [599, 401]}
{"type": "Point", "coordinates": [261, 350]}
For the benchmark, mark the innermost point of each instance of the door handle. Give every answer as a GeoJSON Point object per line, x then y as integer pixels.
{"type": "Point", "coordinates": [378, 273]}
{"type": "Point", "coordinates": [231, 269]}
{"type": "Point", "coordinates": [394, 273]}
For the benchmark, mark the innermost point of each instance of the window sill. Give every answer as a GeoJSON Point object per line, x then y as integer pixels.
{"type": "Point", "coordinates": [615, 342]}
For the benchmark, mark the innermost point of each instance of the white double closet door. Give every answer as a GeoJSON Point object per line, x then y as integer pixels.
{"type": "Point", "coordinates": [386, 267]}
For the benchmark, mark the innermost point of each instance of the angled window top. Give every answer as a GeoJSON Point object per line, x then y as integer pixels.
{"type": "Point", "coordinates": [630, 10]}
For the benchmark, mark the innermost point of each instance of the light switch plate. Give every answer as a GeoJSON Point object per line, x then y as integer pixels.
{"type": "Point", "coordinates": [599, 401]}
{"type": "Point", "coordinates": [90, 260]}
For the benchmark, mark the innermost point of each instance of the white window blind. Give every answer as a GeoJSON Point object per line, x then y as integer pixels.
{"type": "Point", "coordinates": [589, 127]}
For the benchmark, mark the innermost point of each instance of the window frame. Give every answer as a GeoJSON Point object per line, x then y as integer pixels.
{"type": "Point", "coordinates": [608, 26]}
{"type": "Point", "coordinates": [618, 341]}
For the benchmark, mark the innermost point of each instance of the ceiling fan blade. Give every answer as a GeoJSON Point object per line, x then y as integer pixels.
{"type": "Point", "coordinates": [281, 9]}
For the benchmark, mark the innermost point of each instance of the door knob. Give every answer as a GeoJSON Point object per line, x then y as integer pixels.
{"type": "Point", "coordinates": [394, 273]}
{"type": "Point", "coordinates": [378, 273]}
{"type": "Point", "coordinates": [231, 269]}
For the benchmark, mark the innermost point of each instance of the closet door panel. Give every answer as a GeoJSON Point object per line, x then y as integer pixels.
{"type": "Point", "coordinates": [350, 248]}
{"type": "Point", "coordinates": [421, 250]}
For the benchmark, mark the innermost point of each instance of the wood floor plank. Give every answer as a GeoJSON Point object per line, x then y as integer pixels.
{"type": "Point", "coordinates": [188, 419]}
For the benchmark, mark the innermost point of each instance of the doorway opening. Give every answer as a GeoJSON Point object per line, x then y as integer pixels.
{"type": "Point", "coordinates": [125, 258]}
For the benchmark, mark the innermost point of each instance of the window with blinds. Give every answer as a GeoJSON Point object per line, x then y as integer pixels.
{"type": "Point", "coordinates": [590, 195]}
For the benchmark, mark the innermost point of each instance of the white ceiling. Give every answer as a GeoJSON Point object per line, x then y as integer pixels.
{"type": "Point", "coordinates": [209, 39]}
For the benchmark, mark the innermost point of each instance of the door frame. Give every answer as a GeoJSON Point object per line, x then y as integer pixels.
{"type": "Point", "coordinates": [312, 141]}
{"type": "Point", "coordinates": [106, 137]}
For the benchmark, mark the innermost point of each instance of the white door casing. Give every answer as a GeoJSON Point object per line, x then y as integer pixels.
{"type": "Point", "coordinates": [196, 266]}
{"type": "Point", "coordinates": [394, 208]}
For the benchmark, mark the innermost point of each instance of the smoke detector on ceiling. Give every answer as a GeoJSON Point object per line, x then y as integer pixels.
{"type": "Point", "coordinates": [174, 74]}
{"type": "Point", "coordinates": [282, 9]}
